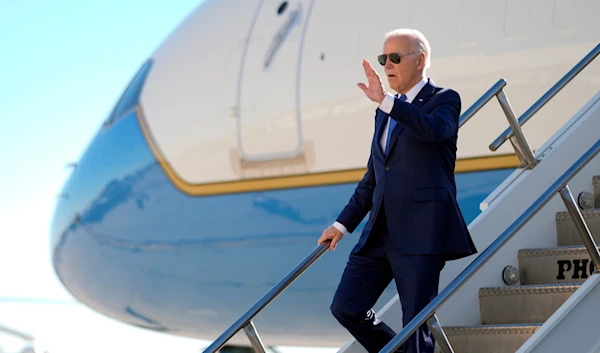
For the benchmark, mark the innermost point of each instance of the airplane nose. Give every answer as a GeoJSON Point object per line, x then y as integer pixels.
{"type": "Point", "coordinates": [129, 244]}
{"type": "Point", "coordinates": [105, 178]}
{"type": "Point", "coordinates": [113, 152]}
{"type": "Point", "coordinates": [88, 224]}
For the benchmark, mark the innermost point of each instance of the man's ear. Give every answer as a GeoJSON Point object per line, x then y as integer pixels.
{"type": "Point", "coordinates": [421, 61]}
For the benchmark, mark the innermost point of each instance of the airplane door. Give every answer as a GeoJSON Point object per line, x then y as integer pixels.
{"type": "Point", "coordinates": [268, 118]}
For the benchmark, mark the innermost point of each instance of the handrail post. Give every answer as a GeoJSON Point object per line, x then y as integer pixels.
{"type": "Point", "coordinates": [527, 153]}
{"type": "Point", "coordinates": [266, 299]}
{"type": "Point", "coordinates": [518, 152]}
{"type": "Point", "coordinates": [580, 224]}
{"type": "Point", "coordinates": [438, 333]}
{"type": "Point", "coordinates": [558, 86]}
{"type": "Point", "coordinates": [254, 338]}
{"type": "Point", "coordinates": [434, 305]}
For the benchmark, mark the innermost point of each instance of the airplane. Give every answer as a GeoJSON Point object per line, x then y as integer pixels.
{"type": "Point", "coordinates": [244, 134]}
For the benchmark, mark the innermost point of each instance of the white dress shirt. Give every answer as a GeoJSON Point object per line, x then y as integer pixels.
{"type": "Point", "coordinates": [386, 106]}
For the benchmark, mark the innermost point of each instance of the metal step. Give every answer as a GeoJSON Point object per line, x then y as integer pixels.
{"type": "Point", "coordinates": [523, 304]}
{"type": "Point", "coordinates": [567, 233]}
{"type": "Point", "coordinates": [564, 264]}
{"type": "Point", "coordinates": [549, 276]}
{"type": "Point", "coordinates": [596, 184]}
{"type": "Point", "coordinates": [488, 338]}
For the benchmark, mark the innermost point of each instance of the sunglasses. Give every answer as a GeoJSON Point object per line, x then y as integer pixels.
{"type": "Point", "coordinates": [394, 57]}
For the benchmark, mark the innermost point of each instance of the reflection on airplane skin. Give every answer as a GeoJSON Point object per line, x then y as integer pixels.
{"type": "Point", "coordinates": [145, 253]}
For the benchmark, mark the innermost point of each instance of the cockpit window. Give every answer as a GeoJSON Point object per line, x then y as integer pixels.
{"type": "Point", "coordinates": [130, 97]}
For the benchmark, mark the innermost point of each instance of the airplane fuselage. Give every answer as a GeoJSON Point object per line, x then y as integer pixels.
{"type": "Point", "coordinates": [244, 135]}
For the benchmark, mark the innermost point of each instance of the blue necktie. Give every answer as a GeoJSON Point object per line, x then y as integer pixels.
{"type": "Point", "coordinates": [391, 128]}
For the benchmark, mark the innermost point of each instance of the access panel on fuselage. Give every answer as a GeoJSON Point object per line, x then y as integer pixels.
{"type": "Point", "coordinates": [268, 121]}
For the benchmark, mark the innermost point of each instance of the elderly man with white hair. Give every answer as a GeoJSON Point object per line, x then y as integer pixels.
{"type": "Point", "coordinates": [415, 224]}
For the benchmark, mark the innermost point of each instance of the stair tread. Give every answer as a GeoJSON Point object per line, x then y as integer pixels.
{"type": "Point", "coordinates": [587, 213]}
{"type": "Point", "coordinates": [553, 251]}
{"type": "Point", "coordinates": [527, 289]}
{"type": "Point", "coordinates": [497, 329]}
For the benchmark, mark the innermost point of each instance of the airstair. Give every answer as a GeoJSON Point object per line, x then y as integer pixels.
{"type": "Point", "coordinates": [533, 286]}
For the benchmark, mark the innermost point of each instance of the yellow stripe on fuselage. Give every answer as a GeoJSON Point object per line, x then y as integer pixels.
{"type": "Point", "coordinates": [297, 181]}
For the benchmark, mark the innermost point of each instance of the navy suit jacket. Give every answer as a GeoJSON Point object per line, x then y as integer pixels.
{"type": "Point", "coordinates": [416, 179]}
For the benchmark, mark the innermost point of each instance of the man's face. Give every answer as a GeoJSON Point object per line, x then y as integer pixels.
{"type": "Point", "coordinates": [408, 72]}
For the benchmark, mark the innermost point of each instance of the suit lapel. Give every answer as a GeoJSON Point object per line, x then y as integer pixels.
{"type": "Point", "coordinates": [380, 125]}
{"type": "Point", "coordinates": [397, 130]}
{"type": "Point", "coordinates": [422, 97]}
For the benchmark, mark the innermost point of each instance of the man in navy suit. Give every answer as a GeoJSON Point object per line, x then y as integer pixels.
{"type": "Point", "coordinates": [415, 224]}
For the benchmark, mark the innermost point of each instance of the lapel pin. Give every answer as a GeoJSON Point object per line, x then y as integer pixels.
{"type": "Point", "coordinates": [420, 99]}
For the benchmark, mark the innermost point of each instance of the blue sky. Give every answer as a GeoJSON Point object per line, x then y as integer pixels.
{"type": "Point", "coordinates": [63, 64]}
{"type": "Point", "coordinates": [62, 67]}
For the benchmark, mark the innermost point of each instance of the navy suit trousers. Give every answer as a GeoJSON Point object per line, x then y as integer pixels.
{"type": "Point", "coordinates": [367, 274]}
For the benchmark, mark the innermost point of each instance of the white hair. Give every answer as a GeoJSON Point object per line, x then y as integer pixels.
{"type": "Point", "coordinates": [419, 41]}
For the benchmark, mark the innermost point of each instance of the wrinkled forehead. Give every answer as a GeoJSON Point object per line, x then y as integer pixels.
{"type": "Point", "coordinates": [398, 44]}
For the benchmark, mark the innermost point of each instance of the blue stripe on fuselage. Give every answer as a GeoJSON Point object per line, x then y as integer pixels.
{"type": "Point", "coordinates": [192, 265]}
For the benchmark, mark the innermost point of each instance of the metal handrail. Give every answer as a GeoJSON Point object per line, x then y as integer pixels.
{"type": "Point", "coordinates": [246, 319]}
{"type": "Point", "coordinates": [486, 97]}
{"type": "Point", "coordinates": [519, 141]}
{"type": "Point", "coordinates": [508, 133]}
{"type": "Point", "coordinates": [522, 150]}
{"type": "Point", "coordinates": [560, 185]}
